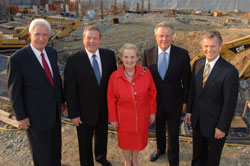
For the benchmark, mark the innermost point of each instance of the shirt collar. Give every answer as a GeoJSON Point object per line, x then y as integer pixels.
{"type": "Point", "coordinates": [36, 51]}
{"type": "Point", "coordinates": [212, 63]}
{"type": "Point", "coordinates": [167, 51]}
{"type": "Point", "coordinates": [96, 53]}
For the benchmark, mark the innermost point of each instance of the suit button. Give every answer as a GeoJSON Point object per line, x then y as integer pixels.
{"type": "Point", "coordinates": [133, 83]}
{"type": "Point", "coordinates": [135, 93]}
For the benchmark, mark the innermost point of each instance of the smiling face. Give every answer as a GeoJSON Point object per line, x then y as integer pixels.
{"type": "Point", "coordinates": [39, 37]}
{"type": "Point", "coordinates": [211, 48]}
{"type": "Point", "coordinates": [129, 58]}
{"type": "Point", "coordinates": [163, 36]}
{"type": "Point", "coordinates": [92, 40]}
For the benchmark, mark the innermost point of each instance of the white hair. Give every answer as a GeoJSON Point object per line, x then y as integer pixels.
{"type": "Point", "coordinates": [39, 22]}
{"type": "Point", "coordinates": [164, 25]}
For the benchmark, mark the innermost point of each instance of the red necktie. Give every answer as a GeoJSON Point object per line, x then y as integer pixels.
{"type": "Point", "coordinates": [47, 70]}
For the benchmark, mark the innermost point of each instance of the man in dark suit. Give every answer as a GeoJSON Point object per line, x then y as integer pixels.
{"type": "Point", "coordinates": [211, 102]}
{"type": "Point", "coordinates": [86, 77]}
{"type": "Point", "coordinates": [170, 68]}
{"type": "Point", "coordinates": [35, 90]}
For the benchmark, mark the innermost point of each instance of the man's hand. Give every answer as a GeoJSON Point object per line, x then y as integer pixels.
{"type": "Point", "coordinates": [114, 125]}
{"type": "Point", "coordinates": [188, 118]}
{"type": "Point", "coordinates": [23, 124]}
{"type": "Point", "coordinates": [77, 121]}
{"type": "Point", "coordinates": [184, 107]}
{"type": "Point", "coordinates": [63, 107]}
{"type": "Point", "coordinates": [219, 134]}
{"type": "Point", "coordinates": [152, 118]}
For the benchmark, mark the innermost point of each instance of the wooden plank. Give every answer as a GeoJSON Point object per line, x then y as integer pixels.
{"type": "Point", "coordinates": [248, 14]}
{"type": "Point", "coordinates": [9, 121]}
{"type": "Point", "coordinates": [4, 113]}
{"type": "Point", "coordinates": [5, 99]}
{"type": "Point", "coordinates": [4, 116]}
{"type": "Point", "coordinates": [217, 13]}
{"type": "Point", "coordinates": [6, 27]}
{"type": "Point", "coordinates": [238, 122]}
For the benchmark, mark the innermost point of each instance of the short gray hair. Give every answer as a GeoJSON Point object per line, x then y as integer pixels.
{"type": "Point", "coordinates": [92, 28]}
{"type": "Point", "coordinates": [39, 22]}
{"type": "Point", "coordinates": [165, 25]}
{"type": "Point", "coordinates": [211, 34]}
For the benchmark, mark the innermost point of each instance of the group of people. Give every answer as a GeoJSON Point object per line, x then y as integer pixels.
{"type": "Point", "coordinates": [131, 97]}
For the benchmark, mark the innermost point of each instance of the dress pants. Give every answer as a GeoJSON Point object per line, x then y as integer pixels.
{"type": "Point", "coordinates": [172, 119]}
{"type": "Point", "coordinates": [206, 151]}
{"type": "Point", "coordinates": [85, 135]}
{"type": "Point", "coordinates": [46, 145]}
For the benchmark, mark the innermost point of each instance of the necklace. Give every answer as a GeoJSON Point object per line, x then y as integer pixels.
{"type": "Point", "coordinates": [128, 74]}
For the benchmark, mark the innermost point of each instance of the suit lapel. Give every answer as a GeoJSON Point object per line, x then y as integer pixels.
{"type": "Point", "coordinates": [155, 57]}
{"type": "Point", "coordinates": [214, 73]}
{"type": "Point", "coordinates": [199, 73]}
{"type": "Point", "coordinates": [103, 64]}
{"type": "Point", "coordinates": [87, 66]}
{"type": "Point", "coordinates": [53, 65]}
{"type": "Point", "coordinates": [171, 62]}
{"type": "Point", "coordinates": [154, 60]}
{"type": "Point", "coordinates": [36, 65]}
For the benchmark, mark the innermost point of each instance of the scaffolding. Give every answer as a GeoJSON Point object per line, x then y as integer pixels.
{"type": "Point", "coordinates": [3, 11]}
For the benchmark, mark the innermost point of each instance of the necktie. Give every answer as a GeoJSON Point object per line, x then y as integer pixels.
{"type": "Point", "coordinates": [96, 69]}
{"type": "Point", "coordinates": [205, 75]}
{"type": "Point", "coordinates": [47, 70]}
{"type": "Point", "coordinates": [163, 66]}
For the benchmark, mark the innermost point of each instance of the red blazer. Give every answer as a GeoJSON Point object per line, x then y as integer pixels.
{"type": "Point", "coordinates": [130, 104]}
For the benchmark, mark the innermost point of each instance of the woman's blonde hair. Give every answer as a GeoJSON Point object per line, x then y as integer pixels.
{"type": "Point", "coordinates": [129, 46]}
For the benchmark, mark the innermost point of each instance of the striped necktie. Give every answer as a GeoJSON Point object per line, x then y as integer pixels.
{"type": "Point", "coordinates": [205, 75]}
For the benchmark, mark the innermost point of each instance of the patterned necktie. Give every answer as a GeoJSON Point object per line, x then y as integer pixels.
{"type": "Point", "coordinates": [163, 66]}
{"type": "Point", "coordinates": [96, 69]}
{"type": "Point", "coordinates": [205, 75]}
{"type": "Point", "coordinates": [47, 70]}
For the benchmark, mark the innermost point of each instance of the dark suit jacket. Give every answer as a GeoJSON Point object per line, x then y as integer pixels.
{"type": "Point", "coordinates": [85, 99]}
{"type": "Point", "coordinates": [173, 90]}
{"type": "Point", "coordinates": [30, 90]}
{"type": "Point", "coordinates": [213, 105]}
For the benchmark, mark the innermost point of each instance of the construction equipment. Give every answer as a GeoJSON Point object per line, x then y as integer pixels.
{"type": "Point", "coordinates": [68, 25]}
{"type": "Point", "coordinates": [20, 38]}
{"type": "Point", "coordinates": [231, 49]}
{"type": "Point", "coordinates": [3, 11]}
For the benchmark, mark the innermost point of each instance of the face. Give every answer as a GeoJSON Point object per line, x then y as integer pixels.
{"type": "Point", "coordinates": [39, 37]}
{"type": "Point", "coordinates": [211, 48]}
{"type": "Point", "coordinates": [164, 37]}
{"type": "Point", "coordinates": [92, 40]}
{"type": "Point", "coordinates": [129, 58]}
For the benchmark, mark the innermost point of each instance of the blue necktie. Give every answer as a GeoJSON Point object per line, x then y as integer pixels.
{"type": "Point", "coordinates": [96, 69]}
{"type": "Point", "coordinates": [163, 66]}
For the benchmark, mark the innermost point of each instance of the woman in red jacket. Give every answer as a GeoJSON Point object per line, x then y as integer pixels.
{"type": "Point", "coordinates": [131, 104]}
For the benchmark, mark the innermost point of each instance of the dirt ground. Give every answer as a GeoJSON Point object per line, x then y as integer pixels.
{"type": "Point", "coordinates": [14, 150]}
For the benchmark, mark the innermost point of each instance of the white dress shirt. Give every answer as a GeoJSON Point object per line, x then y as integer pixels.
{"type": "Point", "coordinates": [160, 56]}
{"type": "Point", "coordinates": [98, 59]}
{"type": "Point", "coordinates": [39, 57]}
{"type": "Point", "coordinates": [211, 64]}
